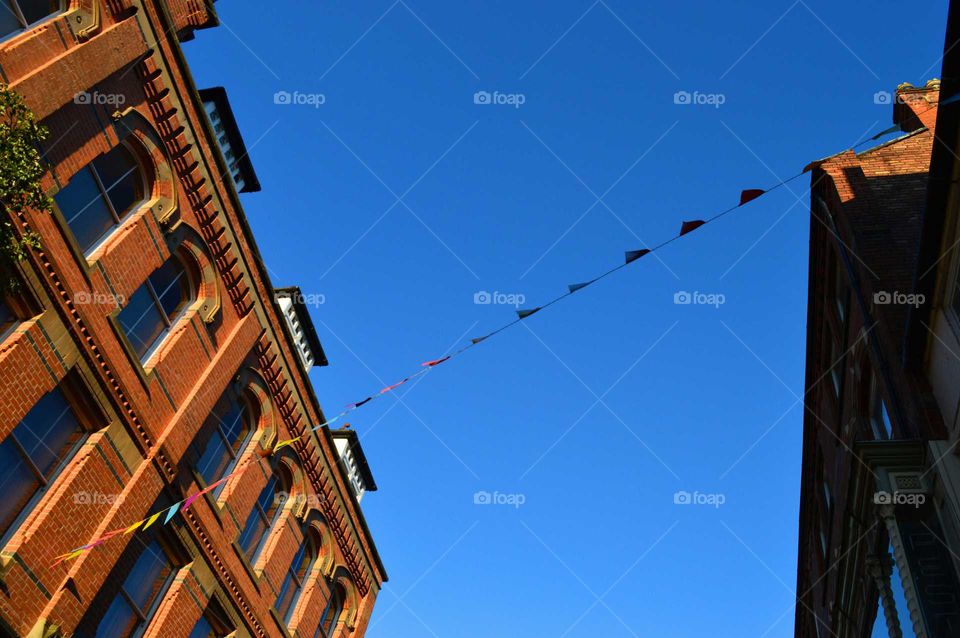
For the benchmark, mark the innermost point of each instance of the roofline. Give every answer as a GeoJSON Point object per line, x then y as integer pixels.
{"type": "Point", "coordinates": [296, 296]}
{"type": "Point", "coordinates": [218, 95]}
{"type": "Point", "coordinates": [942, 167]}
{"type": "Point", "coordinates": [256, 257]}
{"type": "Point", "coordinates": [360, 517]}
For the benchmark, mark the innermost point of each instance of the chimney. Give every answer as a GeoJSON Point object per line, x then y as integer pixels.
{"type": "Point", "coordinates": [915, 108]}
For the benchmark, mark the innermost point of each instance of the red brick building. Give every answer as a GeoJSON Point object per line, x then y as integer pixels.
{"type": "Point", "coordinates": [879, 541]}
{"type": "Point", "coordinates": [147, 354]}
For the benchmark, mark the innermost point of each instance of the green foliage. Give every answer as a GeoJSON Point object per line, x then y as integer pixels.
{"type": "Point", "coordinates": [21, 170]}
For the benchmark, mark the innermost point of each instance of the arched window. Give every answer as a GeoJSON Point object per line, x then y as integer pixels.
{"type": "Point", "coordinates": [332, 612]}
{"type": "Point", "coordinates": [296, 577]}
{"type": "Point", "coordinates": [263, 516]}
{"type": "Point", "coordinates": [138, 596]}
{"type": "Point", "coordinates": [101, 195]}
{"type": "Point", "coordinates": [32, 454]}
{"type": "Point", "coordinates": [224, 435]}
{"type": "Point", "coordinates": [16, 15]}
{"type": "Point", "coordinates": [153, 308]}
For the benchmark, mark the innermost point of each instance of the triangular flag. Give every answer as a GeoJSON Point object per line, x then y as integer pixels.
{"type": "Point", "coordinates": [283, 444]}
{"type": "Point", "coordinates": [633, 255]}
{"type": "Point", "coordinates": [67, 556]}
{"type": "Point", "coordinates": [151, 520]}
{"type": "Point", "coordinates": [395, 385]}
{"type": "Point", "coordinates": [171, 512]}
{"type": "Point", "coordinates": [687, 227]}
{"type": "Point", "coordinates": [354, 406]}
{"type": "Point", "coordinates": [893, 129]}
{"type": "Point", "coordinates": [575, 287]}
{"type": "Point", "coordinates": [523, 314]}
{"type": "Point", "coordinates": [187, 503]}
{"type": "Point", "coordinates": [435, 362]}
{"type": "Point", "coordinates": [133, 527]}
{"type": "Point", "coordinates": [750, 194]}
{"type": "Point", "coordinates": [477, 340]}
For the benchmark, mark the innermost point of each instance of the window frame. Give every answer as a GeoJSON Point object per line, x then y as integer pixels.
{"type": "Point", "coordinates": [250, 413]}
{"type": "Point", "coordinates": [103, 194]}
{"type": "Point", "coordinates": [21, 18]}
{"type": "Point", "coordinates": [87, 414]}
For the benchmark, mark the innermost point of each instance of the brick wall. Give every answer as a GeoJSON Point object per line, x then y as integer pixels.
{"type": "Point", "coordinates": [140, 419]}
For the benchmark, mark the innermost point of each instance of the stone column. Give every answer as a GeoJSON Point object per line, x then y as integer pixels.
{"type": "Point", "coordinates": [887, 515]}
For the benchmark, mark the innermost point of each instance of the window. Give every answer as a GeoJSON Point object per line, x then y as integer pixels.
{"type": "Point", "coordinates": [879, 418]}
{"type": "Point", "coordinates": [835, 364]}
{"type": "Point", "coordinates": [33, 453]}
{"type": "Point", "coordinates": [98, 197]}
{"type": "Point", "coordinates": [827, 498]}
{"type": "Point", "coordinates": [16, 15]}
{"type": "Point", "coordinates": [145, 584]}
{"type": "Point", "coordinates": [261, 518]}
{"type": "Point", "coordinates": [7, 319]}
{"type": "Point", "coordinates": [202, 629]}
{"type": "Point", "coordinates": [227, 428]}
{"type": "Point", "coordinates": [154, 306]}
{"type": "Point", "coordinates": [212, 624]}
{"type": "Point", "coordinates": [296, 576]}
{"type": "Point", "coordinates": [332, 612]}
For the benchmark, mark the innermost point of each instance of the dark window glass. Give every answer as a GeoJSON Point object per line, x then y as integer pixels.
{"type": "Point", "coordinates": [228, 425]}
{"type": "Point", "coordinates": [151, 310]}
{"type": "Point", "coordinates": [35, 10]}
{"type": "Point", "coordinates": [202, 629]}
{"type": "Point", "coordinates": [18, 14]}
{"type": "Point", "coordinates": [261, 518]}
{"type": "Point", "coordinates": [99, 196]}
{"type": "Point", "coordinates": [141, 589]}
{"type": "Point", "coordinates": [331, 613]}
{"type": "Point", "coordinates": [85, 210]}
{"type": "Point", "coordinates": [7, 319]}
{"type": "Point", "coordinates": [294, 580]}
{"type": "Point", "coordinates": [33, 452]}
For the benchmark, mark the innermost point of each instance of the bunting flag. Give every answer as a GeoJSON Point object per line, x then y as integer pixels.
{"type": "Point", "coordinates": [630, 256]}
{"type": "Point", "coordinates": [690, 226]}
{"type": "Point", "coordinates": [750, 194]}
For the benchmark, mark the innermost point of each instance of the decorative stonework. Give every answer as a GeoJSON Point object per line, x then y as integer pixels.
{"type": "Point", "coordinates": [880, 569]}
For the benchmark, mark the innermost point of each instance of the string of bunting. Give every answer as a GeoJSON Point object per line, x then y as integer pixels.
{"type": "Point", "coordinates": [630, 256]}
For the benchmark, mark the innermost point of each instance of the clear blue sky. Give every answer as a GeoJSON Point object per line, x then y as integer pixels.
{"type": "Point", "coordinates": [687, 391]}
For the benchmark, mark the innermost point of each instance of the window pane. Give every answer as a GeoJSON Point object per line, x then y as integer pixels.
{"type": "Point", "coordinates": [85, 210]}
{"type": "Point", "coordinates": [202, 629]}
{"type": "Point", "coordinates": [170, 283]}
{"type": "Point", "coordinates": [35, 10]}
{"type": "Point", "coordinates": [7, 318]}
{"type": "Point", "coordinates": [141, 321]}
{"type": "Point", "coordinates": [256, 526]}
{"type": "Point", "coordinates": [120, 175]}
{"type": "Point", "coordinates": [119, 621]}
{"type": "Point", "coordinates": [226, 425]}
{"type": "Point", "coordinates": [47, 431]}
{"type": "Point", "coordinates": [148, 575]}
{"type": "Point", "coordinates": [9, 22]}
{"type": "Point", "coordinates": [18, 484]}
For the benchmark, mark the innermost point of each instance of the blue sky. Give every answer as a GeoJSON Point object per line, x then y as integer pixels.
{"type": "Point", "coordinates": [398, 199]}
